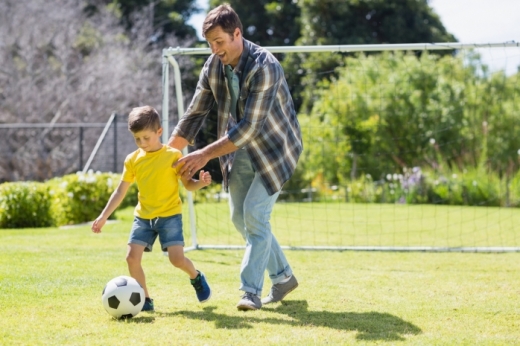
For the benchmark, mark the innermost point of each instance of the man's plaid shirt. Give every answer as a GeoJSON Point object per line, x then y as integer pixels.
{"type": "Point", "coordinates": [267, 125]}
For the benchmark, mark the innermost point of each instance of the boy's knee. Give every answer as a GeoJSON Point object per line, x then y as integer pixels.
{"type": "Point", "coordinates": [177, 261]}
{"type": "Point", "coordinates": [132, 260]}
{"type": "Point", "coordinates": [176, 256]}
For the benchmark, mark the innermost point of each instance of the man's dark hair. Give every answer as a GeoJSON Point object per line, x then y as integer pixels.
{"type": "Point", "coordinates": [223, 16]}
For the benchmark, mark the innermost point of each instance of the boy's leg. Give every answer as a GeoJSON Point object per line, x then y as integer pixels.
{"type": "Point", "coordinates": [177, 258]}
{"type": "Point", "coordinates": [197, 279]}
{"type": "Point", "coordinates": [172, 240]}
{"type": "Point", "coordinates": [141, 239]}
{"type": "Point", "coordinates": [133, 259]}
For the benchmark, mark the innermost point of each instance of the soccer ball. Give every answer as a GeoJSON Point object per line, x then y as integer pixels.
{"type": "Point", "coordinates": [123, 297]}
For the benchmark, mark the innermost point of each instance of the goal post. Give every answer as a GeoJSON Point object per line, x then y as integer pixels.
{"type": "Point", "coordinates": [329, 219]}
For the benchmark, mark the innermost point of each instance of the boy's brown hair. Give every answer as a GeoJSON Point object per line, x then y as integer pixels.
{"type": "Point", "coordinates": [223, 16]}
{"type": "Point", "coordinates": [144, 118]}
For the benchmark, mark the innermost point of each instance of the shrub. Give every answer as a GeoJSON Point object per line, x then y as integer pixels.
{"type": "Point", "coordinates": [25, 204]}
{"type": "Point", "coordinates": [472, 187]}
{"type": "Point", "coordinates": [481, 189]}
{"type": "Point", "coordinates": [81, 197]}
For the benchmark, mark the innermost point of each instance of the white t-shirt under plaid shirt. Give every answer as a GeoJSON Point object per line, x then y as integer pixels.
{"type": "Point", "coordinates": [268, 125]}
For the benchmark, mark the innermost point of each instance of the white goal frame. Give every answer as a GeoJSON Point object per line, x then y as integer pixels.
{"type": "Point", "coordinates": [168, 58]}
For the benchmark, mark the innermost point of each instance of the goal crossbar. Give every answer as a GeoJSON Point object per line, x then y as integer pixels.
{"type": "Point", "coordinates": [355, 48]}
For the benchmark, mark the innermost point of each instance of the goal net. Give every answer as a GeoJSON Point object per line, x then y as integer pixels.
{"type": "Point", "coordinates": [407, 147]}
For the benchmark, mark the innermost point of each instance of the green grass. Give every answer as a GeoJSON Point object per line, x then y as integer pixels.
{"type": "Point", "coordinates": [51, 282]}
{"type": "Point", "coordinates": [343, 224]}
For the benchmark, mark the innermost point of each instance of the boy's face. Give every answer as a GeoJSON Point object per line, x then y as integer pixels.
{"type": "Point", "coordinates": [148, 140]}
{"type": "Point", "coordinates": [227, 47]}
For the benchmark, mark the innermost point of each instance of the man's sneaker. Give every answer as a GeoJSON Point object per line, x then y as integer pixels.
{"type": "Point", "coordinates": [249, 301]}
{"type": "Point", "coordinates": [201, 287]}
{"type": "Point", "coordinates": [279, 291]}
{"type": "Point", "coordinates": [148, 305]}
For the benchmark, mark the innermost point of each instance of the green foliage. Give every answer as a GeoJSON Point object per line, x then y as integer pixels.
{"type": "Point", "coordinates": [169, 16]}
{"type": "Point", "coordinates": [88, 39]}
{"type": "Point", "coordinates": [470, 188]}
{"type": "Point", "coordinates": [81, 197]}
{"type": "Point", "coordinates": [512, 187]}
{"type": "Point", "coordinates": [211, 193]}
{"type": "Point", "coordinates": [391, 111]}
{"type": "Point", "coordinates": [370, 21]}
{"type": "Point", "coordinates": [473, 187]}
{"type": "Point", "coordinates": [72, 199]}
{"type": "Point", "coordinates": [326, 149]}
{"type": "Point", "coordinates": [25, 204]}
{"type": "Point", "coordinates": [267, 22]}
{"type": "Point", "coordinates": [329, 22]}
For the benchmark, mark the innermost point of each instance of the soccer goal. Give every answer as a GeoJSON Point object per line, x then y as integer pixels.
{"type": "Point", "coordinates": [407, 147]}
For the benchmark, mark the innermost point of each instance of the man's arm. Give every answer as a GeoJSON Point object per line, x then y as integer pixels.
{"type": "Point", "coordinates": [196, 160]}
{"type": "Point", "coordinates": [178, 142]}
{"type": "Point", "coordinates": [201, 104]}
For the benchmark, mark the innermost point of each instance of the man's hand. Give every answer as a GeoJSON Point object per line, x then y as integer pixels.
{"type": "Point", "coordinates": [191, 163]}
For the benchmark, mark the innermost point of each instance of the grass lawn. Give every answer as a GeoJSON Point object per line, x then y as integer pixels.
{"type": "Point", "coordinates": [51, 282]}
{"type": "Point", "coordinates": [345, 224]}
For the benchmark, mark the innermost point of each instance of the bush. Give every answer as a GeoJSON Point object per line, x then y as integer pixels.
{"type": "Point", "coordinates": [471, 187]}
{"type": "Point", "coordinates": [212, 193]}
{"type": "Point", "coordinates": [71, 199]}
{"type": "Point", "coordinates": [81, 197]}
{"type": "Point", "coordinates": [25, 204]}
{"type": "Point", "coordinates": [513, 191]}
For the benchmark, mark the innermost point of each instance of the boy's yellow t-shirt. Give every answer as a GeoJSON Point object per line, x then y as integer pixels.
{"type": "Point", "coordinates": [157, 181]}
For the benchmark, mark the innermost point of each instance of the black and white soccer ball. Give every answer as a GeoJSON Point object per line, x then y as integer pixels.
{"type": "Point", "coordinates": [123, 297]}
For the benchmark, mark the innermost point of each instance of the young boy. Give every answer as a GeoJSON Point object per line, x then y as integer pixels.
{"type": "Point", "coordinates": [158, 211]}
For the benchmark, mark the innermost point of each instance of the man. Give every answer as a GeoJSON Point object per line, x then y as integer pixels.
{"type": "Point", "coordinates": [259, 143]}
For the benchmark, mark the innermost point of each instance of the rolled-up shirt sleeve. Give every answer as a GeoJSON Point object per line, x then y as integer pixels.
{"type": "Point", "coordinates": [202, 102]}
{"type": "Point", "coordinates": [260, 100]}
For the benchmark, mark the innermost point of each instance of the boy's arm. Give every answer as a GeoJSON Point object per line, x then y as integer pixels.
{"type": "Point", "coordinates": [177, 142]}
{"type": "Point", "coordinates": [191, 184]}
{"type": "Point", "coordinates": [115, 199]}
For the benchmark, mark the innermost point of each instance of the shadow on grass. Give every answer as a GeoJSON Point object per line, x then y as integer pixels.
{"type": "Point", "coordinates": [369, 325]}
{"type": "Point", "coordinates": [137, 319]}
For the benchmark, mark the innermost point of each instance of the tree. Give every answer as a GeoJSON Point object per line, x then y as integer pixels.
{"type": "Point", "coordinates": [267, 22]}
{"type": "Point", "coordinates": [370, 22]}
{"type": "Point", "coordinates": [392, 111]}
{"type": "Point", "coordinates": [69, 66]}
{"type": "Point", "coordinates": [329, 22]}
{"type": "Point", "coordinates": [167, 16]}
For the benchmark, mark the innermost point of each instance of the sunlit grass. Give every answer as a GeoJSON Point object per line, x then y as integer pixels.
{"type": "Point", "coordinates": [51, 282]}
{"type": "Point", "coordinates": [344, 224]}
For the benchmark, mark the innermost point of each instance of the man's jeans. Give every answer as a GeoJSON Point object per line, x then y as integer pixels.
{"type": "Point", "coordinates": [251, 208]}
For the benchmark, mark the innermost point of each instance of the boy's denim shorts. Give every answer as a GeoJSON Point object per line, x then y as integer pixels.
{"type": "Point", "coordinates": [145, 231]}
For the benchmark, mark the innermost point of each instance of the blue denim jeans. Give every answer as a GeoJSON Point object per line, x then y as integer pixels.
{"type": "Point", "coordinates": [251, 208]}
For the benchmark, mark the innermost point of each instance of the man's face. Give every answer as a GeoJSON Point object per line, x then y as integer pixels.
{"type": "Point", "coordinates": [227, 47]}
{"type": "Point", "coordinates": [148, 140]}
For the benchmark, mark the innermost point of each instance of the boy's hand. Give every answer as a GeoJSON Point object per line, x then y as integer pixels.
{"type": "Point", "coordinates": [98, 224]}
{"type": "Point", "coordinates": [204, 177]}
